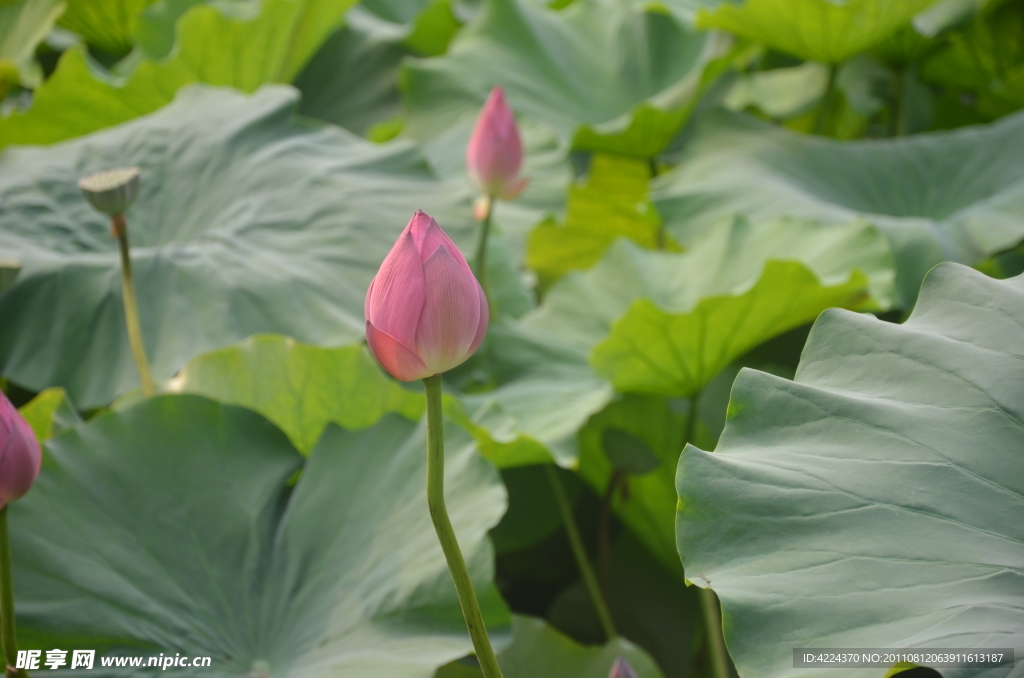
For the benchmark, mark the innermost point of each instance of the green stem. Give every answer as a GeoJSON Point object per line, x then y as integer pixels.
{"type": "Point", "coordinates": [580, 553]}
{"type": "Point", "coordinates": [826, 101]}
{"type": "Point", "coordinates": [7, 623]}
{"type": "Point", "coordinates": [480, 261]}
{"type": "Point", "coordinates": [713, 630]}
{"type": "Point", "coordinates": [131, 307]}
{"type": "Point", "coordinates": [446, 534]}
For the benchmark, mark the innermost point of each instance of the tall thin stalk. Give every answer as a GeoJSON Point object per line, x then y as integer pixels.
{"type": "Point", "coordinates": [131, 308]}
{"type": "Point", "coordinates": [716, 641]}
{"type": "Point", "coordinates": [446, 534]}
{"type": "Point", "coordinates": [480, 261]}
{"type": "Point", "coordinates": [604, 616]}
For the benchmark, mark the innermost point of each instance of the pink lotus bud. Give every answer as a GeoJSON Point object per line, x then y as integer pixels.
{"type": "Point", "coordinates": [425, 311]}
{"type": "Point", "coordinates": [622, 669]}
{"type": "Point", "coordinates": [20, 456]}
{"type": "Point", "coordinates": [495, 152]}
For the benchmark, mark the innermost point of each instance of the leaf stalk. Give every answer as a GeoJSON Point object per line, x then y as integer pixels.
{"type": "Point", "coordinates": [119, 229]}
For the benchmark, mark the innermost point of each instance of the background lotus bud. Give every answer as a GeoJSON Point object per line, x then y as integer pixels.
{"type": "Point", "coordinates": [111, 191]}
{"type": "Point", "coordinates": [495, 152]}
{"type": "Point", "coordinates": [20, 456]}
{"type": "Point", "coordinates": [622, 669]}
{"type": "Point", "coordinates": [425, 311]}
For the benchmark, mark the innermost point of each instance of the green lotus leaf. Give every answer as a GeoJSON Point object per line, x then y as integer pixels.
{"type": "Point", "coordinates": [611, 203]}
{"type": "Point", "coordinates": [243, 52]}
{"type": "Point", "coordinates": [820, 30]}
{"type": "Point", "coordinates": [23, 25]}
{"type": "Point", "coordinates": [986, 58]}
{"type": "Point", "coordinates": [667, 323]}
{"type": "Point", "coordinates": [944, 196]}
{"type": "Point", "coordinates": [780, 92]}
{"type": "Point", "coordinates": [300, 388]}
{"type": "Point", "coordinates": [606, 75]}
{"type": "Point", "coordinates": [352, 80]}
{"type": "Point", "coordinates": [540, 651]}
{"type": "Point", "coordinates": [221, 247]}
{"type": "Point", "coordinates": [49, 413]}
{"type": "Point", "coordinates": [648, 510]}
{"type": "Point", "coordinates": [877, 500]}
{"type": "Point", "coordinates": [107, 24]}
{"type": "Point", "coordinates": [546, 393]}
{"type": "Point", "coordinates": [341, 575]}
{"type": "Point", "coordinates": [946, 14]}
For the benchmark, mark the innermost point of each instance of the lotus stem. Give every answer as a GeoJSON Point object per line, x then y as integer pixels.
{"type": "Point", "coordinates": [446, 534]}
{"type": "Point", "coordinates": [713, 628]}
{"type": "Point", "coordinates": [480, 261]}
{"type": "Point", "coordinates": [604, 616]}
{"type": "Point", "coordinates": [131, 309]}
{"type": "Point", "coordinates": [8, 632]}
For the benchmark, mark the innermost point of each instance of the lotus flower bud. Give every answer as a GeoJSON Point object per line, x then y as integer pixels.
{"type": "Point", "coordinates": [20, 456]}
{"type": "Point", "coordinates": [111, 191]}
{"type": "Point", "coordinates": [495, 152]}
{"type": "Point", "coordinates": [622, 669]}
{"type": "Point", "coordinates": [425, 311]}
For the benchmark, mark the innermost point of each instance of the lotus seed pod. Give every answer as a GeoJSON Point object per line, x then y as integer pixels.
{"type": "Point", "coordinates": [111, 191]}
{"type": "Point", "coordinates": [622, 669]}
{"type": "Point", "coordinates": [20, 456]}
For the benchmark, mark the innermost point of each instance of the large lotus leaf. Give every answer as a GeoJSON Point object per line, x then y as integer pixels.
{"type": "Point", "coordinates": [49, 413]}
{"type": "Point", "coordinates": [540, 651]}
{"type": "Point", "coordinates": [667, 323]}
{"type": "Point", "coordinates": [23, 25]}
{"type": "Point", "coordinates": [247, 222]}
{"type": "Point", "coordinates": [987, 59]}
{"type": "Point", "coordinates": [607, 75]}
{"type": "Point", "coordinates": [945, 196]}
{"type": "Point", "coordinates": [877, 500]}
{"type": "Point", "coordinates": [546, 393]}
{"type": "Point", "coordinates": [780, 92]}
{"type": "Point", "coordinates": [107, 24]}
{"type": "Point", "coordinates": [243, 52]}
{"type": "Point", "coordinates": [612, 202]}
{"type": "Point", "coordinates": [298, 387]}
{"type": "Point", "coordinates": [352, 80]}
{"type": "Point", "coordinates": [171, 527]}
{"type": "Point", "coordinates": [821, 30]}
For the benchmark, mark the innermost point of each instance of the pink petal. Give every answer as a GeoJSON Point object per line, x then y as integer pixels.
{"type": "Point", "coordinates": [20, 456]}
{"type": "Point", "coordinates": [451, 313]}
{"type": "Point", "coordinates": [431, 237]}
{"type": "Point", "coordinates": [397, 359]}
{"type": "Point", "coordinates": [481, 328]}
{"type": "Point", "coordinates": [494, 155]}
{"type": "Point", "coordinates": [394, 301]}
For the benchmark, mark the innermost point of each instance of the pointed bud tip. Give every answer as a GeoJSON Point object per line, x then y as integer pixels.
{"type": "Point", "coordinates": [111, 191]}
{"type": "Point", "coordinates": [622, 669]}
